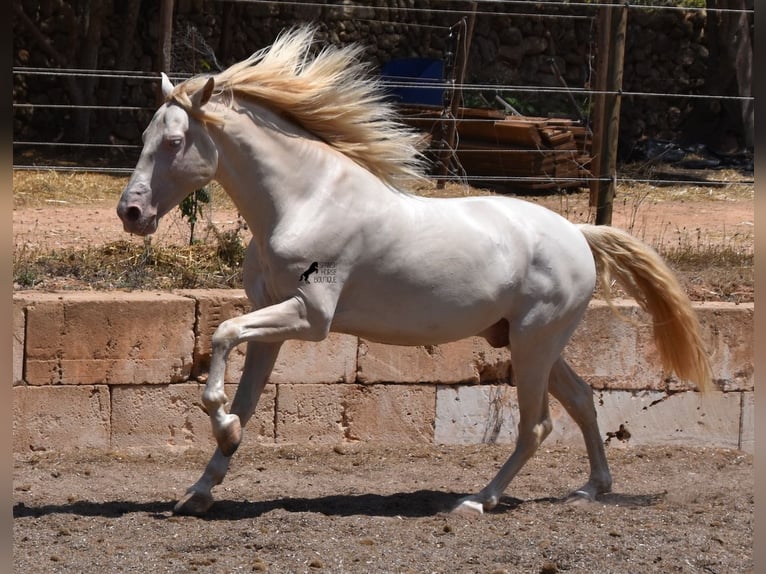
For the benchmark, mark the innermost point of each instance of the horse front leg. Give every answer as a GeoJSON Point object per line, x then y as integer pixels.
{"type": "Point", "coordinates": [259, 362]}
{"type": "Point", "coordinates": [227, 428]}
{"type": "Point", "coordinates": [289, 319]}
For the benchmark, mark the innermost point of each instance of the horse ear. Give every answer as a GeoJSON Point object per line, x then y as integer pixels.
{"type": "Point", "coordinates": [167, 85]}
{"type": "Point", "coordinates": [201, 97]}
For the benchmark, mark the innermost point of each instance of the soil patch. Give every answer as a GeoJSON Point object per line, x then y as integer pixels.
{"type": "Point", "coordinates": [365, 508]}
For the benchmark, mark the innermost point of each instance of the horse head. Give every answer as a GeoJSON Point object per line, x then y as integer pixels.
{"type": "Point", "coordinates": [178, 157]}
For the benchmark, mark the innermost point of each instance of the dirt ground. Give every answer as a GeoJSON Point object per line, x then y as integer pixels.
{"type": "Point", "coordinates": [659, 216]}
{"type": "Point", "coordinates": [370, 509]}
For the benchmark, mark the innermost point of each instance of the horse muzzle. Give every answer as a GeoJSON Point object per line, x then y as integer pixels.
{"type": "Point", "coordinates": [136, 219]}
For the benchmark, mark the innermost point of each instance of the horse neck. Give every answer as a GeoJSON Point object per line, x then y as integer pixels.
{"type": "Point", "coordinates": [266, 164]}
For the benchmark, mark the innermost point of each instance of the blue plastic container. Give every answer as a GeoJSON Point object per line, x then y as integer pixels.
{"type": "Point", "coordinates": [418, 71]}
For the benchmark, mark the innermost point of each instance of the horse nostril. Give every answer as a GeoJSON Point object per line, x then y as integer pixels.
{"type": "Point", "coordinates": [133, 213]}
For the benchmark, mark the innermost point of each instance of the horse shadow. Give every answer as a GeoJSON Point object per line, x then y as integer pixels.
{"type": "Point", "coordinates": [417, 504]}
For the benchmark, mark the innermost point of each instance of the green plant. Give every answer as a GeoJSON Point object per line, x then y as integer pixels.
{"type": "Point", "coordinates": [191, 208]}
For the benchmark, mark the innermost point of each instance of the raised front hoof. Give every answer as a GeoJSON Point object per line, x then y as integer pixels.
{"type": "Point", "coordinates": [194, 503]}
{"type": "Point", "coordinates": [229, 436]}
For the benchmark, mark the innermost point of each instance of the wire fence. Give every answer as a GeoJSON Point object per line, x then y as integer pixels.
{"type": "Point", "coordinates": [106, 151]}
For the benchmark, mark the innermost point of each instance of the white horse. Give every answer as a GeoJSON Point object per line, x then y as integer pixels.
{"type": "Point", "coordinates": [308, 150]}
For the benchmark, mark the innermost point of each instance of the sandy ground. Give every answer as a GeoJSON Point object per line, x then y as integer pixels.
{"type": "Point", "coordinates": [659, 218]}
{"type": "Point", "coordinates": [370, 509]}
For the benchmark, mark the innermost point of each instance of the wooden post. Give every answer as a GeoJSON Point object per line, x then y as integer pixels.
{"type": "Point", "coordinates": [606, 121]}
{"type": "Point", "coordinates": [602, 53]}
{"type": "Point", "coordinates": [465, 35]}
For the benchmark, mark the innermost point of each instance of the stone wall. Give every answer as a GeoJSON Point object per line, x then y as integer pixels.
{"type": "Point", "coordinates": [666, 53]}
{"type": "Point", "coordinates": [122, 371]}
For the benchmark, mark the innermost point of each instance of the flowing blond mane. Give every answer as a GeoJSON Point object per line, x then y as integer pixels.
{"type": "Point", "coordinates": [330, 93]}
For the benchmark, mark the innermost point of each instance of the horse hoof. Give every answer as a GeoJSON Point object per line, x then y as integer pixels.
{"type": "Point", "coordinates": [579, 498]}
{"type": "Point", "coordinates": [468, 508]}
{"type": "Point", "coordinates": [230, 436]}
{"type": "Point", "coordinates": [194, 503]}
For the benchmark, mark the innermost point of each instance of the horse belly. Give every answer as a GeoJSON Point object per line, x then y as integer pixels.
{"type": "Point", "coordinates": [433, 305]}
{"type": "Point", "coordinates": [410, 328]}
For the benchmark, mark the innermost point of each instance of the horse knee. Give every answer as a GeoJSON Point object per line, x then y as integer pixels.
{"type": "Point", "coordinates": [223, 336]}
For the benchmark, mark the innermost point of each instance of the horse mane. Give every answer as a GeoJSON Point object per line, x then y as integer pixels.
{"type": "Point", "coordinates": [329, 92]}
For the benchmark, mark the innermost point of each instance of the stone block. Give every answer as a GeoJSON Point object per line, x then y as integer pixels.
{"type": "Point", "coordinates": [61, 418]}
{"type": "Point", "coordinates": [151, 417]}
{"type": "Point", "coordinates": [332, 360]}
{"type": "Point", "coordinates": [19, 328]}
{"type": "Point", "coordinates": [332, 414]}
{"type": "Point", "coordinates": [310, 413]}
{"type": "Point", "coordinates": [213, 306]}
{"type": "Point", "coordinates": [108, 338]}
{"type": "Point", "coordinates": [391, 414]}
{"type": "Point", "coordinates": [474, 414]}
{"type": "Point", "coordinates": [728, 332]}
{"type": "Point", "coordinates": [470, 360]}
{"type": "Point", "coordinates": [747, 428]}
{"type": "Point", "coordinates": [604, 348]}
{"type": "Point", "coordinates": [684, 418]}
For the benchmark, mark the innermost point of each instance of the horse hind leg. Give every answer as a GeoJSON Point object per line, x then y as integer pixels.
{"type": "Point", "coordinates": [259, 362]}
{"type": "Point", "coordinates": [531, 372]}
{"type": "Point", "coordinates": [576, 397]}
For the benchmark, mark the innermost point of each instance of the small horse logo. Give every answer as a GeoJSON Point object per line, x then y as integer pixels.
{"type": "Point", "coordinates": [304, 278]}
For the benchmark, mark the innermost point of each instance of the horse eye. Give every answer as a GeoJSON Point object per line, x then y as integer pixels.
{"type": "Point", "coordinates": [174, 142]}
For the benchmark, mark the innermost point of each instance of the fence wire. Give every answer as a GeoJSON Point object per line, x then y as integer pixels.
{"type": "Point", "coordinates": [189, 48]}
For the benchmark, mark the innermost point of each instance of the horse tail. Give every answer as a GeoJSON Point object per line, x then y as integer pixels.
{"type": "Point", "coordinates": [647, 278]}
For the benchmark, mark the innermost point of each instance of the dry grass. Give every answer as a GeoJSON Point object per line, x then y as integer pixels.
{"type": "Point", "coordinates": [712, 265]}
{"type": "Point", "coordinates": [45, 188]}
{"type": "Point", "coordinates": [126, 265]}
